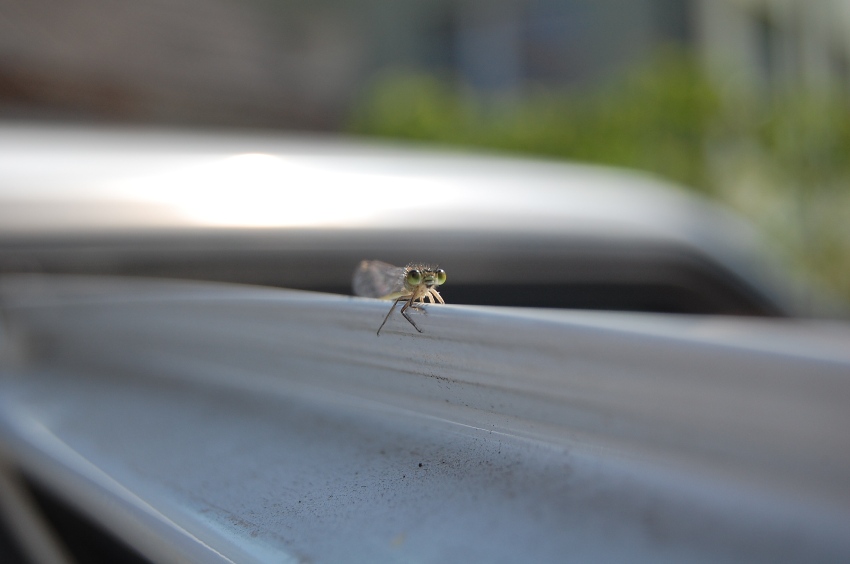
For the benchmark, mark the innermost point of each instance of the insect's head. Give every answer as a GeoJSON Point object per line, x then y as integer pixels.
{"type": "Point", "coordinates": [415, 276]}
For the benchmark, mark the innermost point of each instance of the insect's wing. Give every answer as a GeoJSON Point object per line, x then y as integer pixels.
{"type": "Point", "coordinates": [376, 279]}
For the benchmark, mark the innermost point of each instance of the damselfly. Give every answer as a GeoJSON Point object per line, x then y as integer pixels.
{"type": "Point", "coordinates": [412, 283]}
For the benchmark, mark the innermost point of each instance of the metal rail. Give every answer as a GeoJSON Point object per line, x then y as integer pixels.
{"type": "Point", "coordinates": [244, 423]}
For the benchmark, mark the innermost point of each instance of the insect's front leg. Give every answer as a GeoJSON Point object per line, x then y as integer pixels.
{"type": "Point", "coordinates": [410, 304]}
{"type": "Point", "coordinates": [395, 303]}
{"type": "Point", "coordinates": [417, 305]}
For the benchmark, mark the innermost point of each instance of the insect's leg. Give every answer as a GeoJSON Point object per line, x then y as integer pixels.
{"type": "Point", "coordinates": [407, 317]}
{"type": "Point", "coordinates": [436, 294]}
{"type": "Point", "coordinates": [418, 305]}
{"type": "Point", "coordinates": [428, 295]}
{"type": "Point", "coordinates": [395, 303]}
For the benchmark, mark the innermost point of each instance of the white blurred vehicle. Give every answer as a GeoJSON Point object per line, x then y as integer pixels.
{"type": "Point", "coordinates": [301, 212]}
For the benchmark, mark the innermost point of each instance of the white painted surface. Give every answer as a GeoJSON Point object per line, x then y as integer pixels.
{"type": "Point", "coordinates": [218, 422]}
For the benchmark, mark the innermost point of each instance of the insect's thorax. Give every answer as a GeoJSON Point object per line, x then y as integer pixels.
{"type": "Point", "coordinates": [420, 290]}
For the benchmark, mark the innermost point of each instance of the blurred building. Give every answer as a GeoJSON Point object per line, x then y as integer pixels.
{"type": "Point", "coordinates": [297, 63]}
{"type": "Point", "coordinates": [776, 44]}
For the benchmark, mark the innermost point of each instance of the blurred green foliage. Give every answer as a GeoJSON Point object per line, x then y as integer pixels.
{"type": "Point", "coordinates": [782, 159]}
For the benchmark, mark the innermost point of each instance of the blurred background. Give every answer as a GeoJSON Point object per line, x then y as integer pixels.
{"type": "Point", "coordinates": [746, 101]}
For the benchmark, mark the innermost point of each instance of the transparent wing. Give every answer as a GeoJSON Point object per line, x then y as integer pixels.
{"type": "Point", "coordinates": [376, 279]}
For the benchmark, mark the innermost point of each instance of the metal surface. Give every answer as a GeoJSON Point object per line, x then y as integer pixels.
{"type": "Point", "coordinates": [203, 422]}
{"type": "Point", "coordinates": [28, 527]}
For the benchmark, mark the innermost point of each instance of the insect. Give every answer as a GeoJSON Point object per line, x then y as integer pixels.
{"type": "Point", "coordinates": [412, 283]}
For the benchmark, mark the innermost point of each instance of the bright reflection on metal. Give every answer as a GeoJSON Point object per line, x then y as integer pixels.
{"type": "Point", "coordinates": [261, 190]}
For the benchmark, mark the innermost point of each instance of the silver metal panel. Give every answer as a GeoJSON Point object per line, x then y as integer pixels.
{"type": "Point", "coordinates": [87, 200]}
{"type": "Point", "coordinates": [204, 422]}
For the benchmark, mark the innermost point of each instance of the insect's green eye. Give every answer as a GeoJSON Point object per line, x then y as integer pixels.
{"type": "Point", "coordinates": [414, 277]}
{"type": "Point", "coordinates": [441, 276]}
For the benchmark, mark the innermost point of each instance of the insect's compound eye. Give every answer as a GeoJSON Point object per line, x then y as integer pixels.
{"type": "Point", "coordinates": [414, 277]}
{"type": "Point", "coordinates": [440, 276]}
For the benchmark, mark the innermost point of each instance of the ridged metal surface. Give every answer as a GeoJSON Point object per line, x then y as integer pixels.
{"type": "Point", "coordinates": [214, 422]}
